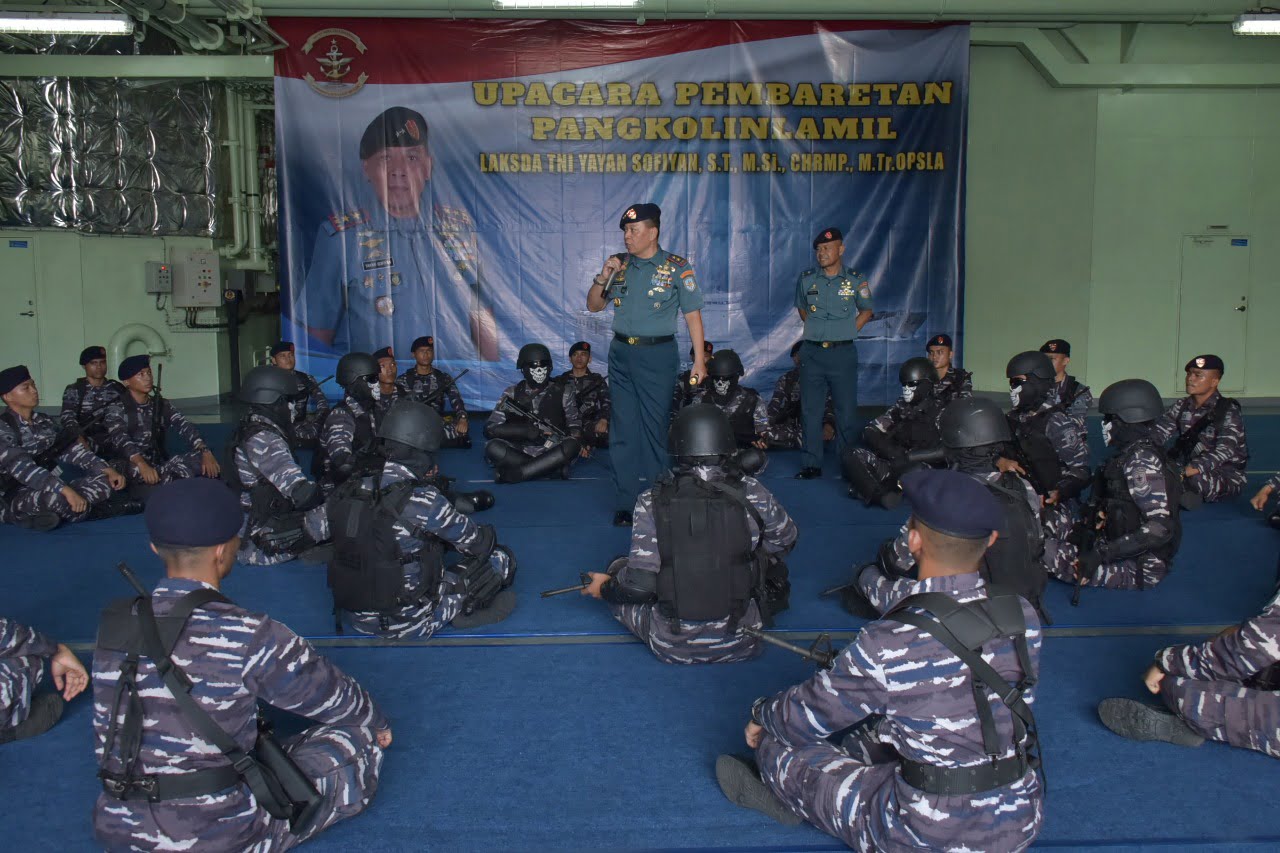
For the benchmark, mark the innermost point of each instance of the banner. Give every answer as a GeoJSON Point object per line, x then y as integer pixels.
{"type": "Point", "coordinates": [519, 144]}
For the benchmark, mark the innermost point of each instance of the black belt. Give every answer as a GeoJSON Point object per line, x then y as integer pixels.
{"type": "Point", "coordinates": [179, 786]}
{"type": "Point", "coordinates": [829, 344]}
{"type": "Point", "coordinates": [954, 781]}
{"type": "Point", "coordinates": [641, 341]}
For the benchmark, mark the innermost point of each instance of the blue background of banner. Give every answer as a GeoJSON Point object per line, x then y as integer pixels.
{"type": "Point", "coordinates": [539, 238]}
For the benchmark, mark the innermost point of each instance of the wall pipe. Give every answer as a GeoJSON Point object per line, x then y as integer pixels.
{"type": "Point", "coordinates": [235, 164]}
{"type": "Point", "coordinates": [252, 181]}
{"type": "Point", "coordinates": [135, 333]}
{"type": "Point", "coordinates": [199, 33]}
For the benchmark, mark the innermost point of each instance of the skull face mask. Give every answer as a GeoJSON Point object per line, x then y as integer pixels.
{"type": "Point", "coordinates": [1106, 431]}
{"type": "Point", "coordinates": [722, 386]}
{"type": "Point", "coordinates": [908, 393]}
{"type": "Point", "coordinates": [538, 373]}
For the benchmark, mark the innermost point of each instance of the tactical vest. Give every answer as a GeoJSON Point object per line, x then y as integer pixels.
{"type": "Point", "coordinates": [742, 418]}
{"type": "Point", "coordinates": [944, 392]}
{"type": "Point", "coordinates": [362, 443]}
{"type": "Point", "coordinates": [1013, 562]}
{"type": "Point", "coordinates": [300, 400]}
{"type": "Point", "coordinates": [366, 572]}
{"type": "Point", "coordinates": [709, 569]}
{"type": "Point", "coordinates": [1039, 456]}
{"type": "Point", "coordinates": [918, 428]}
{"type": "Point", "coordinates": [265, 500]}
{"type": "Point", "coordinates": [82, 388]}
{"type": "Point", "coordinates": [964, 629]}
{"type": "Point", "coordinates": [1183, 448]}
{"type": "Point", "coordinates": [1123, 515]}
{"type": "Point", "coordinates": [550, 408]}
{"type": "Point", "coordinates": [158, 424]}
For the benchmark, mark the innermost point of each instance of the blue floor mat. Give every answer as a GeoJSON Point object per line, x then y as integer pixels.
{"type": "Point", "coordinates": [600, 747]}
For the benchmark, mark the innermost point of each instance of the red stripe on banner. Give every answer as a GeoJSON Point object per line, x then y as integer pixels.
{"type": "Point", "coordinates": [338, 51]}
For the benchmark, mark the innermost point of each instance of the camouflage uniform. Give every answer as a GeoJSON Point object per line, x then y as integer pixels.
{"type": "Point", "coordinates": [1220, 455]}
{"type": "Point", "coordinates": [253, 658]}
{"type": "Point", "coordinates": [686, 394]}
{"type": "Point", "coordinates": [418, 387]}
{"type": "Point", "coordinates": [1204, 688]}
{"type": "Point", "coordinates": [535, 396]}
{"type": "Point", "coordinates": [22, 654]}
{"type": "Point", "coordinates": [306, 425]}
{"type": "Point", "coordinates": [266, 455]}
{"type": "Point", "coordinates": [1145, 476]}
{"type": "Point", "coordinates": [925, 695]}
{"type": "Point", "coordinates": [900, 412]}
{"type": "Point", "coordinates": [591, 393]}
{"type": "Point", "coordinates": [784, 430]}
{"type": "Point", "coordinates": [127, 442]}
{"type": "Point", "coordinates": [745, 409]}
{"type": "Point", "coordinates": [427, 514]}
{"type": "Point", "coordinates": [1079, 407]}
{"type": "Point", "coordinates": [82, 402]}
{"type": "Point", "coordinates": [882, 591]}
{"type": "Point", "coordinates": [386, 398]}
{"type": "Point", "coordinates": [700, 642]}
{"type": "Point", "coordinates": [31, 489]}
{"type": "Point", "coordinates": [1067, 435]}
{"type": "Point", "coordinates": [956, 385]}
{"type": "Point", "coordinates": [338, 437]}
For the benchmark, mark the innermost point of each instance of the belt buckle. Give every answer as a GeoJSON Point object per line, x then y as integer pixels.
{"type": "Point", "coordinates": [633, 341]}
{"type": "Point", "coordinates": [826, 344]}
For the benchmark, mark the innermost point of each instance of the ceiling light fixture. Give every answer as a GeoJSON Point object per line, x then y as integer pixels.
{"type": "Point", "coordinates": [567, 4]}
{"type": "Point", "coordinates": [1257, 25]}
{"type": "Point", "coordinates": [66, 23]}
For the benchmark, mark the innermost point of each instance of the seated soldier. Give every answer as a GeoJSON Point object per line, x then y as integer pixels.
{"type": "Point", "coordinates": [944, 751]}
{"type": "Point", "coordinates": [535, 430]}
{"type": "Point", "coordinates": [903, 438]}
{"type": "Point", "coordinates": [306, 424]}
{"type": "Point", "coordinates": [747, 413]}
{"type": "Point", "coordinates": [952, 382]}
{"type": "Point", "coordinates": [1207, 429]}
{"type": "Point", "coordinates": [346, 439]}
{"type": "Point", "coordinates": [139, 423]}
{"type": "Point", "coordinates": [31, 446]}
{"type": "Point", "coordinates": [428, 384]}
{"type": "Point", "coordinates": [389, 387]}
{"type": "Point", "coordinates": [1259, 500]}
{"type": "Point", "coordinates": [784, 429]}
{"type": "Point", "coordinates": [1074, 397]}
{"type": "Point", "coordinates": [85, 401]}
{"type": "Point", "coordinates": [1223, 689]}
{"type": "Point", "coordinates": [1049, 446]}
{"type": "Point", "coordinates": [591, 393]}
{"type": "Point", "coordinates": [284, 511]}
{"type": "Point", "coordinates": [24, 713]}
{"type": "Point", "coordinates": [391, 528]}
{"type": "Point", "coordinates": [686, 592]}
{"type": "Point", "coordinates": [178, 677]}
{"type": "Point", "coordinates": [974, 432]}
{"type": "Point", "coordinates": [1131, 531]}
{"type": "Point", "coordinates": [687, 393]}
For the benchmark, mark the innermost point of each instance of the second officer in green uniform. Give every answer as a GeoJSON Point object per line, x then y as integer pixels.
{"type": "Point", "coordinates": [647, 286]}
{"type": "Point", "coordinates": [834, 304]}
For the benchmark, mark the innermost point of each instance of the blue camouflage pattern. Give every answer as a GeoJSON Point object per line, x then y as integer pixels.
{"type": "Point", "coordinates": [1220, 454]}
{"type": "Point", "coordinates": [32, 489]}
{"type": "Point", "coordinates": [23, 651]}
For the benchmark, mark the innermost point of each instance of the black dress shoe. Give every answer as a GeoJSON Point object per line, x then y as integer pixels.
{"type": "Point", "coordinates": [808, 473]}
{"type": "Point", "coordinates": [622, 518]}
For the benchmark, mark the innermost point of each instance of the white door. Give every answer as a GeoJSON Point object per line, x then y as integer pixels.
{"type": "Point", "coordinates": [19, 331]}
{"type": "Point", "coordinates": [1214, 304]}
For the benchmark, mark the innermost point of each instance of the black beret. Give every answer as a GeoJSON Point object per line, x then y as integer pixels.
{"type": "Point", "coordinates": [198, 512]}
{"type": "Point", "coordinates": [424, 341]}
{"type": "Point", "coordinates": [828, 235]}
{"type": "Point", "coordinates": [707, 348]}
{"type": "Point", "coordinates": [1057, 346]}
{"type": "Point", "coordinates": [795, 348]}
{"type": "Point", "coordinates": [1206, 362]}
{"type": "Point", "coordinates": [398, 127]}
{"type": "Point", "coordinates": [639, 213]}
{"type": "Point", "coordinates": [952, 503]}
{"type": "Point", "coordinates": [939, 341]}
{"type": "Point", "coordinates": [88, 354]}
{"type": "Point", "coordinates": [12, 377]}
{"type": "Point", "coordinates": [385, 352]}
{"type": "Point", "coordinates": [282, 346]}
{"type": "Point", "coordinates": [580, 345]}
{"type": "Point", "coordinates": [133, 365]}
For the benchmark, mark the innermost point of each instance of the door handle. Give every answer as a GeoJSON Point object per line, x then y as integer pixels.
{"type": "Point", "coordinates": [1241, 308]}
{"type": "Point", "coordinates": [27, 314]}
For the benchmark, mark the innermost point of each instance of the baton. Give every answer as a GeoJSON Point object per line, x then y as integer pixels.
{"type": "Point", "coordinates": [124, 569]}
{"type": "Point", "coordinates": [586, 582]}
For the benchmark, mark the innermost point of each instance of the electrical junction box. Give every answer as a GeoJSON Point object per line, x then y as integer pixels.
{"type": "Point", "coordinates": [159, 277]}
{"type": "Point", "coordinates": [197, 279]}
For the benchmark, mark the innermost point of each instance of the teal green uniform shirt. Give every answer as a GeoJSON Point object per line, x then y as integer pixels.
{"type": "Point", "coordinates": [831, 303]}
{"type": "Point", "coordinates": [647, 292]}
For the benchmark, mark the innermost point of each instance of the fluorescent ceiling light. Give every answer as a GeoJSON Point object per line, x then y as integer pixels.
{"type": "Point", "coordinates": [1257, 25]}
{"type": "Point", "coordinates": [567, 4]}
{"type": "Point", "coordinates": [65, 24]}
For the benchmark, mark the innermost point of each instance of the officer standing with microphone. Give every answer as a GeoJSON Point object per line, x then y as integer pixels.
{"type": "Point", "coordinates": [646, 287]}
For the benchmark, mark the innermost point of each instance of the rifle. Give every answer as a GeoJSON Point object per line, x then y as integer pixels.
{"type": "Point", "coordinates": [157, 418]}
{"type": "Point", "coordinates": [66, 437]}
{"type": "Point", "coordinates": [542, 423]}
{"type": "Point", "coordinates": [1183, 447]}
{"type": "Point", "coordinates": [430, 399]}
{"type": "Point", "coordinates": [820, 652]}
{"type": "Point", "coordinates": [586, 582]}
{"type": "Point", "coordinates": [1085, 534]}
